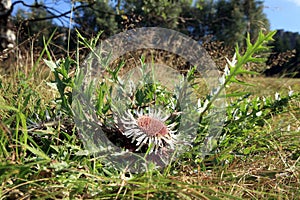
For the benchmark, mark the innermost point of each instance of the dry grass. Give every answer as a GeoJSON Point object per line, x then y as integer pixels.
{"type": "Point", "coordinates": [272, 171]}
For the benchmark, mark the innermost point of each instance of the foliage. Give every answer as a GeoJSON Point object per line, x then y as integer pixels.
{"type": "Point", "coordinates": [41, 155]}
{"type": "Point", "coordinates": [227, 21]}
{"type": "Point", "coordinates": [245, 17]}
{"type": "Point", "coordinates": [209, 22]}
{"type": "Point", "coordinates": [284, 60]}
{"type": "Point", "coordinates": [156, 13]}
{"type": "Point", "coordinates": [38, 29]}
{"type": "Point", "coordinates": [99, 17]}
{"type": "Point", "coordinates": [63, 82]}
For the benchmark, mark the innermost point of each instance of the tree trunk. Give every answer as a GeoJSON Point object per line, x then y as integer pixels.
{"type": "Point", "coordinates": [7, 35]}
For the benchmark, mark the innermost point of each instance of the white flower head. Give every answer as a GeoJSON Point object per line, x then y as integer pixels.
{"type": "Point", "coordinates": [232, 62]}
{"type": "Point", "coordinates": [288, 128]}
{"type": "Point", "coordinates": [199, 103]}
{"type": "Point", "coordinates": [264, 99]}
{"type": "Point", "coordinates": [277, 96]}
{"type": "Point", "coordinates": [226, 70]}
{"type": "Point", "coordinates": [258, 114]}
{"type": "Point", "coordinates": [201, 108]}
{"type": "Point", "coordinates": [290, 91]}
{"type": "Point", "coordinates": [149, 130]}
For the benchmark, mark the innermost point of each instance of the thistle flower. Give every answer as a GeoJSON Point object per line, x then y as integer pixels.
{"type": "Point", "coordinates": [149, 129]}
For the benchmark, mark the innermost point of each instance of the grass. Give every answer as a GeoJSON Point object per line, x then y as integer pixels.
{"type": "Point", "coordinates": [42, 156]}
{"type": "Point", "coordinates": [46, 162]}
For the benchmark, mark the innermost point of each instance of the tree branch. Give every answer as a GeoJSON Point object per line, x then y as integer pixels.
{"type": "Point", "coordinates": [48, 9]}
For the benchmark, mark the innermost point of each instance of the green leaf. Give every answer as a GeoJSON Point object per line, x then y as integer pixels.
{"type": "Point", "coordinates": [6, 107]}
{"type": "Point", "coordinates": [237, 94]}
{"type": "Point", "coordinates": [50, 64]}
{"type": "Point", "coordinates": [35, 151]}
{"type": "Point", "coordinates": [241, 71]}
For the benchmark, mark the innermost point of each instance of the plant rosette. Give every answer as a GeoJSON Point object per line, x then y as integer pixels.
{"type": "Point", "coordinates": [151, 113]}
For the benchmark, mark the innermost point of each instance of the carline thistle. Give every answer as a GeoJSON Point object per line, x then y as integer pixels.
{"type": "Point", "coordinates": [149, 129]}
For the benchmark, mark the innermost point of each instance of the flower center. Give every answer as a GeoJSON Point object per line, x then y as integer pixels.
{"type": "Point", "coordinates": [151, 126]}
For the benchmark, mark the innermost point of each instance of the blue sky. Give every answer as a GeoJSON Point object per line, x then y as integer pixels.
{"type": "Point", "coordinates": [282, 14]}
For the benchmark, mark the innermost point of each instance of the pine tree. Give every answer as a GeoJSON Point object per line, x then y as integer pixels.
{"type": "Point", "coordinates": [255, 18]}
{"type": "Point", "coordinates": [99, 17]}
{"type": "Point", "coordinates": [151, 13]}
{"type": "Point", "coordinates": [227, 20]}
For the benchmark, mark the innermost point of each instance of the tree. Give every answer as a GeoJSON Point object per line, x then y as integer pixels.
{"type": "Point", "coordinates": [228, 23]}
{"type": "Point", "coordinates": [32, 31]}
{"type": "Point", "coordinates": [255, 18]}
{"type": "Point", "coordinates": [7, 35]}
{"type": "Point", "coordinates": [233, 19]}
{"type": "Point", "coordinates": [99, 17]}
{"type": "Point", "coordinates": [151, 13]}
{"type": "Point", "coordinates": [285, 57]}
{"type": "Point", "coordinates": [222, 20]}
{"type": "Point", "coordinates": [31, 28]}
{"type": "Point", "coordinates": [112, 18]}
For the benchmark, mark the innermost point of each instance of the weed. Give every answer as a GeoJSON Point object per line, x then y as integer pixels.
{"type": "Point", "coordinates": [255, 155]}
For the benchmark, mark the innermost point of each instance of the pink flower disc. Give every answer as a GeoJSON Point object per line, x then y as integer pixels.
{"type": "Point", "coordinates": [151, 126]}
